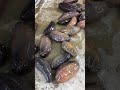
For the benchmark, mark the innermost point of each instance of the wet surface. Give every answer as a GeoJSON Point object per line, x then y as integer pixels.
{"type": "Point", "coordinates": [49, 12]}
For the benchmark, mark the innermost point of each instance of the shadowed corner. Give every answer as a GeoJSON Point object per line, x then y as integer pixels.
{"type": "Point", "coordinates": [17, 45]}
{"type": "Point", "coordinates": [102, 41]}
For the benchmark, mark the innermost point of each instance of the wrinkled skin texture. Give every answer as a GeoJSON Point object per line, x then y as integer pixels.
{"type": "Point", "coordinates": [70, 48]}
{"type": "Point", "coordinates": [81, 6]}
{"type": "Point", "coordinates": [49, 28]}
{"type": "Point", "coordinates": [44, 67]}
{"type": "Point", "coordinates": [45, 46]}
{"type": "Point", "coordinates": [9, 83]}
{"type": "Point", "coordinates": [72, 22]}
{"type": "Point", "coordinates": [66, 71]}
{"type": "Point", "coordinates": [66, 7]}
{"type": "Point", "coordinates": [59, 37]}
{"type": "Point", "coordinates": [73, 30]}
{"type": "Point", "coordinates": [64, 22]}
{"type": "Point", "coordinates": [22, 49]}
{"type": "Point", "coordinates": [60, 60]}
{"type": "Point", "coordinates": [67, 16]}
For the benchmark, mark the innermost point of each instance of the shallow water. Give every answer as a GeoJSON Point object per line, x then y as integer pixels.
{"type": "Point", "coordinates": [44, 15]}
{"type": "Point", "coordinates": [49, 11]}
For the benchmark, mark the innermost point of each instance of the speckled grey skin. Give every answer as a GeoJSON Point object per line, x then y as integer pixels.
{"type": "Point", "coordinates": [44, 67]}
